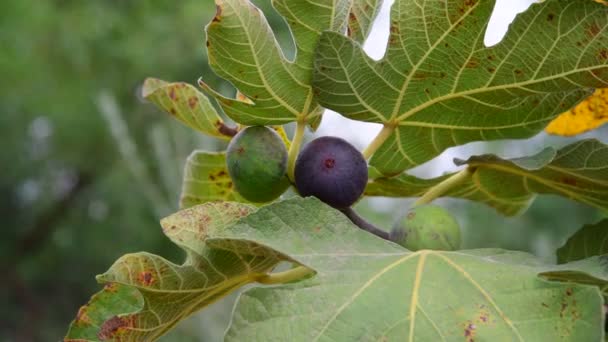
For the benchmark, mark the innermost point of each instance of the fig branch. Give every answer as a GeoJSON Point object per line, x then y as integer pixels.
{"type": "Point", "coordinates": [445, 186]}
{"type": "Point", "coordinates": [294, 149]}
{"type": "Point", "coordinates": [384, 134]}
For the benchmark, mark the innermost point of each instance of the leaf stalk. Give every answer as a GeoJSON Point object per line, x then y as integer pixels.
{"type": "Point", "coordinates": [445, 186]}
{"type": "Point", "coordinates": [384, 134]}
{"type": "Point", "coordinates": [294, 149]}
{"type": "Point", "coordinates": [293, 274]}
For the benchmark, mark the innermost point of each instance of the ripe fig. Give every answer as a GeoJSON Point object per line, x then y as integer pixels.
{"type": "Point", "coordinates": [257, 162]}
{"type": "Point", "coordinates": [427, 227]}
{"type": "Point", "coordinates": [332, 170]}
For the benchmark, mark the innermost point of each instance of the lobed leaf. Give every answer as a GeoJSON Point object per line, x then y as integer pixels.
{"type": "Point", "coordinates": [146, 295]}
{"type": "Point", "coordinates": [206, 179]}
{"type": "Point", "coordinates": [423, 296]}
{"type": "Point", "coordinates": [243, 50]}
{"type": "Point", "coordinates": [186, 104]}
{"type": "Point", "coordinates": [589, 241]}
{"type": "Point", "coordinates": [587, 115]}
{"type": "Point", "coordinates": [578, 171]}
{"type": "Point", "coordinates": [439, 86]}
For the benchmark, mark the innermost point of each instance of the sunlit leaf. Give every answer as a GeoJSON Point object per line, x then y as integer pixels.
{"type": "Point", "coordinates": [587, 115]}
{"type": "Point", "coordinates": [439, 86]}
{"type": "Point", "coordinates": [188, 105]}
{"type": "Point", "coordinates": [206, 179]}
{"type": "Point", "coordinates": [486, 295]}
{"type": "Point", "coordinates": [578, 171]}
{"type": "Point", "coordinates": [591, 240]}
{"type": "Point", "coordinates": [243, 50]}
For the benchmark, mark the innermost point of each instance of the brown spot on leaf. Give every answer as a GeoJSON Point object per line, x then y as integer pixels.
{"type": "Point", "coordinates": [192, 102]}
{"type": "Point", "coordinates": [82, 317]}
{"type": "Point", "coordinates": [550, 17]}
{"type": "Point", "coordinates": [421, 75]}
{"type": "Point", "coordinates": [115, 326]}
{"type": "Point", "coordinates": [472, 63]}
{"type": "Point", "coordinates": [218, 14]}
{"type": "Point", "coordinates": [491, 70]}
{"type": "Point", "coordinates": [110, 287]}
{"type": "Point", "coordinates": [593, 30]}
{"type": "Point", "coordinates": [469, 332]}
{"type": "Point", "coordinates": [411, 216]}
{"type": "Point", "coordinates": [603, 54]}
{"type": "Point", "coordinates": [172, 111]}
{"type": "Point", "coordinates": [172, 93]}
{"type": "Point", "coordinates": [568, 181]}
{"type": "Point", "coordinates": [518, 72]}
{"type": "Point", "coordinates": [145, 278]}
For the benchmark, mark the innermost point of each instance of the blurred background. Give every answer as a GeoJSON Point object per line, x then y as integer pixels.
{"type": "Point", "coordinates": [88, 168]}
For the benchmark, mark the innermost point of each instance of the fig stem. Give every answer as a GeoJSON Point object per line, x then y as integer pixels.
{"type": "Point", "coordinates": [294, 149]}
{"type": "Point", "coordinates": [384, 134]}
{"type": "Point", "coordinates": [363, 224]}
{"type": "Point", "coordinates": [293, 274]}
{"type": "Point", "coordinates": [445, 186]}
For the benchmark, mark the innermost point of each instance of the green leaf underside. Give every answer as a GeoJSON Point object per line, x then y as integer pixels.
{"type": "Point", "coordinates": [361, 18]}
{"type": "Point", "coordinates": [147, 295]}
{"type": "Point", "coordinates": [591, 240]}
{"type": "Point", "coordinates": [243, 50]}
{"type": "Point", "coordinates": [490, 295]}
{"type": "Point", "coordinates": [439, 86]}
{"type": "Point", "coordinates": [186, 104]}
{"type": "Point", "coordinates": [206, 179]}
{"type": "Point", "coordinates": [578, 171]}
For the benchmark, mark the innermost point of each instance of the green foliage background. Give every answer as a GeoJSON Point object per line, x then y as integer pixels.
{"type": "Point", "coordinates": [72, 203]}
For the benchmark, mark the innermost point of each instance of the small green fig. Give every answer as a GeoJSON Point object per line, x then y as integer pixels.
{"type": "Point", "coordinates": [427, 227]}
{"type": "Point", "coordinates": [257, 163]}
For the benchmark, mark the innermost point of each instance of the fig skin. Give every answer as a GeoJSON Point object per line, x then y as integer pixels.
{"type": "Point", "coordinates": [427, 227]}
{"type": "Point", "coordinates": [257, 163]}
{"type": "Point", "coordinates": [332, 170]}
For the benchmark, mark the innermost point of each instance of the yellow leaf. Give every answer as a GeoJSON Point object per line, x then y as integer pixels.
{"type": "Point", "coordinates": [589, 114]}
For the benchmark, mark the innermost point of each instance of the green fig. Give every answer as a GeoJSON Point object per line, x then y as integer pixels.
{"type": "Point", "coordinates": [257, 163]}
{"type": "Point", "coordinates": [427, 227]}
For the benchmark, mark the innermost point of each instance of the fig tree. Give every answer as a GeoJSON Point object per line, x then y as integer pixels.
{"type": "Point", "coordinates": [257, 162]}
{"type": "Point", "coordinates": [332, 170]}
{"type": "Point", "coordinates": [427, 227]}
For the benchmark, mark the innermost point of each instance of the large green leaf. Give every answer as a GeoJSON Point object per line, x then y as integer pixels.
{"type": "Point", "coordinates": [591, 240]}
{"type": "Point", "coordinates": [206, 179]}
{"type": "Point", "coordinates": [243, 50]}
{"type": "Point", "coordinates": [491, 295]}
{"type": "Point", "coordinates": [578, 171]}
{"type": "Point", "coordinates": [146, 295]}
{"type": "Point", "coordinates": [438, 85]}
{"type": "Point", "coordinates": [187, 105]}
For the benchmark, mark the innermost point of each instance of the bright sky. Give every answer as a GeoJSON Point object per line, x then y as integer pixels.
{"type": "Point", "coordinates": [360, 133]}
